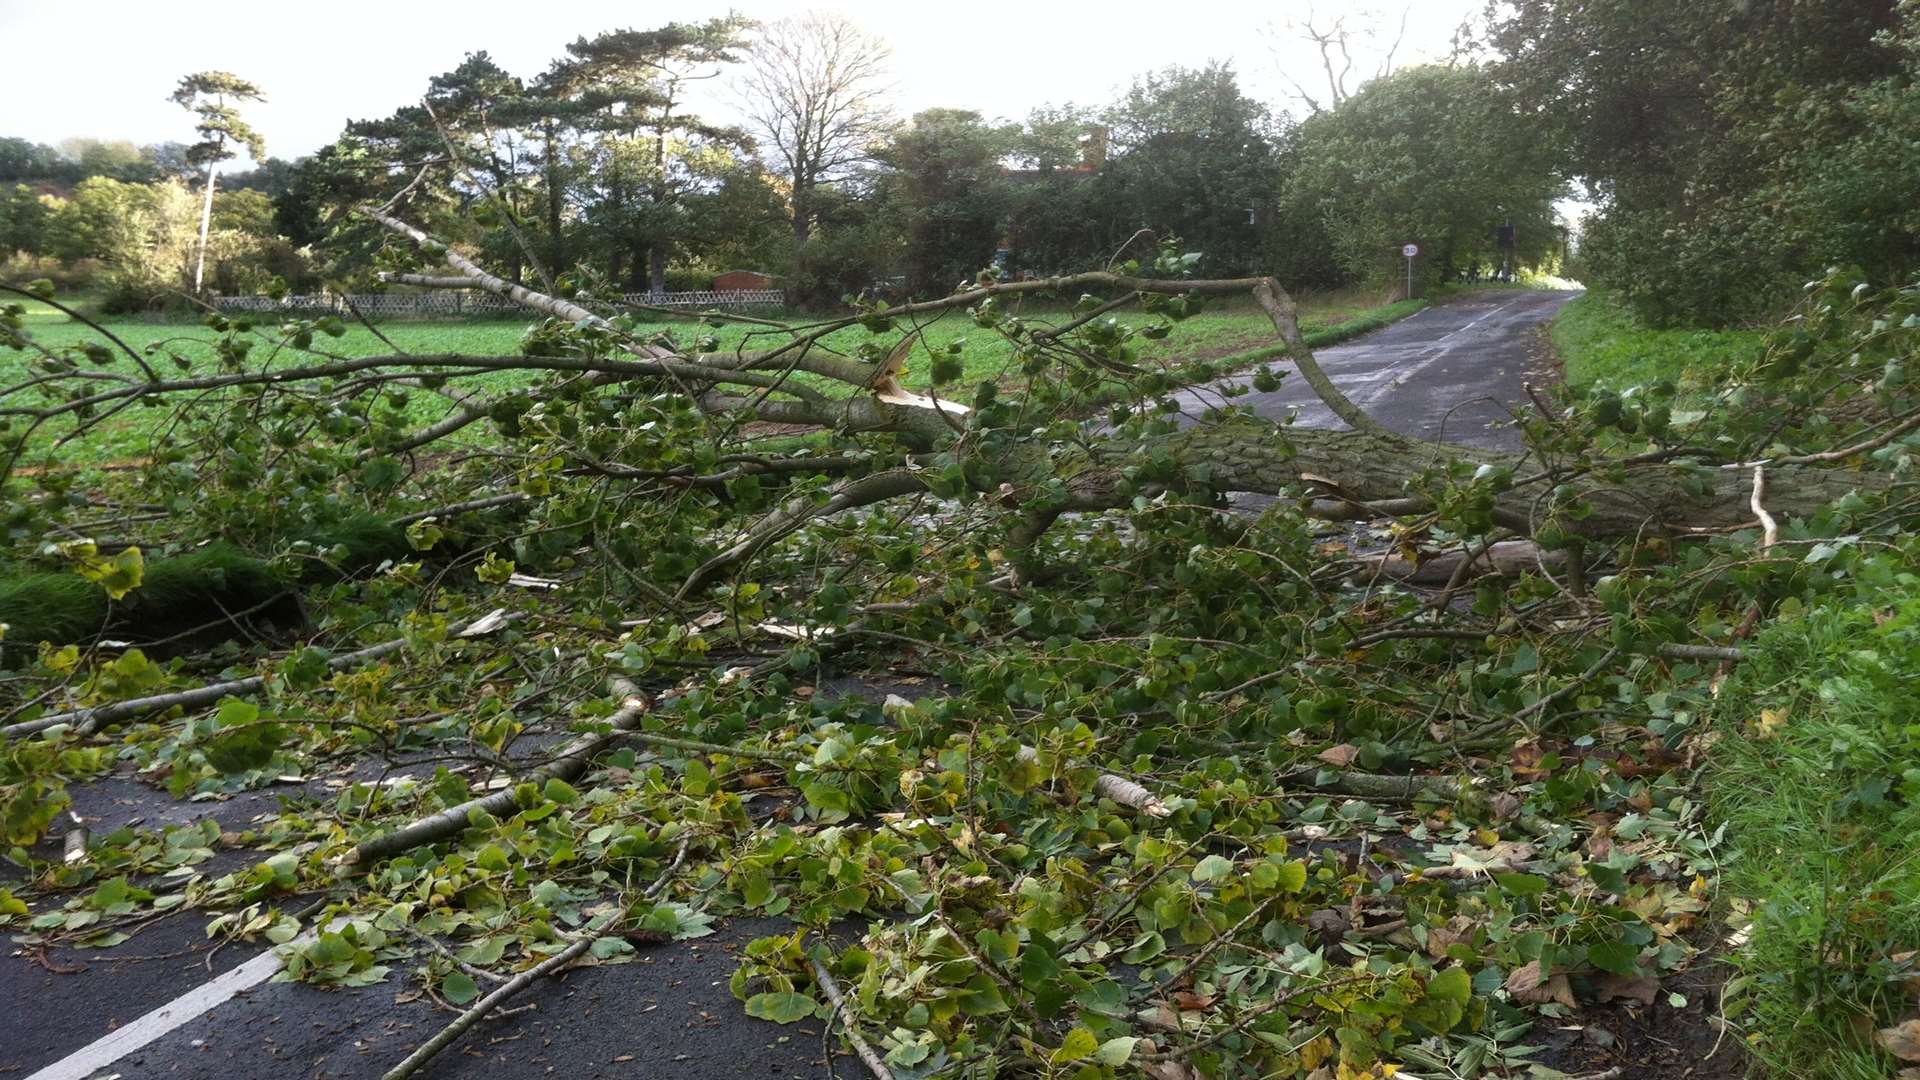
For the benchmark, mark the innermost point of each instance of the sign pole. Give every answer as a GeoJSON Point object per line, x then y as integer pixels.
{"type": "Point", "coordinates": [1410, 251]}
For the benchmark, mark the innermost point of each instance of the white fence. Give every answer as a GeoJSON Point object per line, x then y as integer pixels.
{"type": "Point", "coordinates": [454, 303]}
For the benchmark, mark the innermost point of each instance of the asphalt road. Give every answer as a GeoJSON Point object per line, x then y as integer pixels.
{"type": "Point", "coordinates": [1455, 372]}
{"type": "Point", "coordinates": [1451, 372]}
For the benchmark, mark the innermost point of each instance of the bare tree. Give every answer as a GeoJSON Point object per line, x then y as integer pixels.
{"type": "Point", "coordinates": [813, 93]}
{"type": "Point", "coordinates": [1336, 42]}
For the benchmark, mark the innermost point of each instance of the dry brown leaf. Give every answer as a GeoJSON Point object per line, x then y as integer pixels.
{"type": "Point", "coordinates": [1525, 978]}
{"type": "Point", "coordinates": [1555, 988]}
{"type": "Point", "coordinates": [1901, 1040]}
{"type": "Point", "coordinates": [1340, 756]}
{"type": "Point", "coordinates": [1441, 938]}
{"type": "Point", "coordinates": [1187, 1000]}
{"type": "Point", "coordinates": [1642, 988]}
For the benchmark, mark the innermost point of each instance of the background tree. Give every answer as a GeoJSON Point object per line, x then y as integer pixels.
{"type": "Point", "coordinates": [812, 91]}
{"type": "Point", "coordinates": [1432, 155]}
{"type": "Point", "coordinates": [1733, 150]}
{"type": "Point", "coordinates": [946, 186]}
{"type": "Point", "coordinates": [23, 221]}
{"type": "Point", "coordinates": [209, 96]}
{"type": "Point", "coordinates": [1192, 157]}
{"type": "Point", "coordinates": [653, 154]}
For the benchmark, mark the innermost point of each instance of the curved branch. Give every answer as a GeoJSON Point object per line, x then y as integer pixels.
{"type": "Point", "coordinates": [851, 494]}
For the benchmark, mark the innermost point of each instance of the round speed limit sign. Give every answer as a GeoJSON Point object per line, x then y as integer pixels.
{"type": "Point", "coordinates": [1410, 250]}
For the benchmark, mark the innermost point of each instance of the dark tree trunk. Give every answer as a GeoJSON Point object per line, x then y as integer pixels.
{"type": "Point", "coordinates": [556, 244]}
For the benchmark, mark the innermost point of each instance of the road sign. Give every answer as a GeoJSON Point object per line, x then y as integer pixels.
{"type": "Point", "coordinates": [1410, 250]}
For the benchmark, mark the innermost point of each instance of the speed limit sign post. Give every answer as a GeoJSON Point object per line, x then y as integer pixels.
{"type": "Point", "coordinates": [1410, 251]}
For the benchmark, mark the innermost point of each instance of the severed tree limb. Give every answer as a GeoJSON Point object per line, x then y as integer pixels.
{"type": "Point", "coordinates": [571, 762]}
{"type": "Point", "coordinates": [87, 721]}
{"type": "Point", "coordinates": [428, 281]}
{"type": "Point", "coordinates": [697, 747]}
{"type": "Point", "coordinates": [1682, 651]}
{"type": "Point", "coordinates": [860, 1045]}
{"type": "Point", "coordinates": [520, 294]}
{"type": "Point", "coordinates": [848, 495]}
{"type": "Point", "coordinates": [445, 1037]}
{"type": "Point", "coordinates": [1769, 535]}
{"type": "Point", "coordinates": [1118, 788]}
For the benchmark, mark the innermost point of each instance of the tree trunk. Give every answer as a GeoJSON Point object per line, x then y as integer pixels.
{"type": "Point", "coordinates": [206, 226]}
{"type": "Point", "coordinates": [557, 251]}
{"type": "Point", "coordinates": [657, 269]}
{"type": "Point", "coordinates": [1262, 457]}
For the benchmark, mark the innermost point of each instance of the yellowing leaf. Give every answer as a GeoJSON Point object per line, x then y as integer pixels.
{"type": "Point", "coordinates": [118, 575]}
{"type": "Point", "coordinates": [1079, 1045]}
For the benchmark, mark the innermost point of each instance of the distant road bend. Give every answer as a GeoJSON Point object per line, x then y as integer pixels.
{"type": "Point", "coordinates": [1452, 373]}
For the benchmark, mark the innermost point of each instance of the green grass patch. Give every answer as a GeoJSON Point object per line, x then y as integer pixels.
{"type": "Point", "coordinates": [1226, 330]}
{"type": "Point", "coordinates": [1604, 346]}
{"type": "Point", "coordinates": [1321, 334]}
{"type": "Point", "coordinates": [1817, 775]}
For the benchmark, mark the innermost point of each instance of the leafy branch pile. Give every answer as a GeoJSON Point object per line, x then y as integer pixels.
{"type": "Point", "coordinates": [1139, 786]}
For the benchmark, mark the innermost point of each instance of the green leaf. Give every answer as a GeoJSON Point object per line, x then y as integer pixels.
{"type": "Point", "coordinates": [1522, 884]}
{"type": "Point", "coordinates": [1453, 984]}
{"type": "Point", "coordinates": [1117, 1051]}
{"type": "Point", "coordinates": [459, 988]}
{"type": "Point", "coordinates": [1213, 868]}
{"type": "Point", "coordinates": [1615, 956]}
{"type": "Point", "coordinates": [1293, 876]}
{"type": "Point", "coordinates": [118, 575]}
{"type": "Point", "coordinates": [780, 1006]}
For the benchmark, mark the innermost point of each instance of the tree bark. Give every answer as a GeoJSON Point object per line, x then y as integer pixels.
{"type": "Point", "coordinates": [1264, 458]}
{"type": "Point", "coordinates": [206, 226]}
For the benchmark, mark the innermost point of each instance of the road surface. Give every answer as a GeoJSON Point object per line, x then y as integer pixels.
{"type": "Point", "coordinates": [1454, 373]}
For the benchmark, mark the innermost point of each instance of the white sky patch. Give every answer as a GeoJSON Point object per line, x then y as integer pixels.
{"type": "Point", "coordinates": [322, 65]}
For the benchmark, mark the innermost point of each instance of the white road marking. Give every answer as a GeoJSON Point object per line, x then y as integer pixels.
{"type": "Point", "coordinates": [188, 1007]}
{"type": "Point", "coordinates": [1441, 352]}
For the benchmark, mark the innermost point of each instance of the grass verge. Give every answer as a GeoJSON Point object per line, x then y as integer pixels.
{"type": "Point", "coordinates": [1604, 346]}
{"type": "Point", "coordinates": [1322, 335]}
{"type": "Point", "coordinates": [1817, 777]}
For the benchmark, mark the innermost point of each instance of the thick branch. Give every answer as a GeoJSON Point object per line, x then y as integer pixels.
{"type": "Point", "coordinates": [863, 491]}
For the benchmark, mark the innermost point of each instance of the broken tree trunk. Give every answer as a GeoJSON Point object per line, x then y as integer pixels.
{"type": "Point", "coordinates": [1253, 455]}
{"type": "Point", "coordinates": [571, 762]}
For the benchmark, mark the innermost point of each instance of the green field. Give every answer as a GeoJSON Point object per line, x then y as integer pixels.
{"type": "Point", "coordinates": [1239, 333]}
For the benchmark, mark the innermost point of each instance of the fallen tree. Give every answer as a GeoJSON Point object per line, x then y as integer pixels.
{"type": "Point", "coordinates": [1145, 714]}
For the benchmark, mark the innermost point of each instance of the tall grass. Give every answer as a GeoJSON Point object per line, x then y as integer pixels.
{"type": "Point", "coordinates": [1817, 775]}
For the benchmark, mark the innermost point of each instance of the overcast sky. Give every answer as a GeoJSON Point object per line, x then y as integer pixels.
{"type": "Point", "coordinates": [105, 69]}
